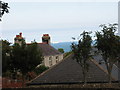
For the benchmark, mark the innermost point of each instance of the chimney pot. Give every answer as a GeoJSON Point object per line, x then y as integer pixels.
{"type": "Point", "coordinates": [17, 35]}
{"type": "Point", "coordinates": [20, 34]}
{"type": "Point", "coordinates": [46, 38]}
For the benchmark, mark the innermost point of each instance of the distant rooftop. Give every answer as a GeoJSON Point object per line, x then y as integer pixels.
{"type": "Point", "coordinates": [48, 50]}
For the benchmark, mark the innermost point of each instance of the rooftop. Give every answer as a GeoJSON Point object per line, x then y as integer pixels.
{"type": "Point", "coordinates": [48, 50]}
{"type": "Point", "coordinates": [69, 71]}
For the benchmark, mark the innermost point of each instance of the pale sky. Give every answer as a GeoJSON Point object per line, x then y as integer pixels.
{"type": "Point", "coordinates": [62, 20]}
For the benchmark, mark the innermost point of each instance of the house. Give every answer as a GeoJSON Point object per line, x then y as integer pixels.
{"type": "Point", "coordinates": [50, 54]}
{"type": "Point", "coordinates": [68, 71]}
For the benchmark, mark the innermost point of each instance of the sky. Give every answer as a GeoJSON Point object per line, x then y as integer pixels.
{"type": "Point", "coordinates": [61, 20]}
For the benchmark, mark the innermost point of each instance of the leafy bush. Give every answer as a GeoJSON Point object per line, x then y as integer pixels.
{"type": "Point", "coordinates": [40, 69]}
{"type": "Point", "coordinates": [61, 50]}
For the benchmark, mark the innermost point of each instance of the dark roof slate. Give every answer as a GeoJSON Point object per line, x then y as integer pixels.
{"type": "Point", "coordinates": [69, 71]}
{"type": "Point", "coordinates": [48, 50]}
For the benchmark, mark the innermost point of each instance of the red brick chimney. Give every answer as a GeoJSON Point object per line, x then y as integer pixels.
{"type": "Point", "coordinates": [46, 39]}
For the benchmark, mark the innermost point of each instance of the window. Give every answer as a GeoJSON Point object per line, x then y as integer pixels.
{"type": "Point", "coordinates": [56, 57]}
{"type": "Point", "coordinates": [50, 58]}
{"type": "Point", "coordinates": [56, 61]}
{"type": "Point", "coordinates": [50, 61]}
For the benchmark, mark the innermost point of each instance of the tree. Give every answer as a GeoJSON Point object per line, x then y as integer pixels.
{"type": "Point", "coordinates": [25, 57]}
{"type": "Point", "coordinates": [109, 45]}
{"type": "Point", "coordinates": [6, 50]}
{"type": "Point", "coordinates": [82, 52]}
{"type": "Point", "coordinates": [34, 56]}
{"type": "Point", "coordinates": [61, 50]}
{"type": "Point", "coordinates": [3, 8]}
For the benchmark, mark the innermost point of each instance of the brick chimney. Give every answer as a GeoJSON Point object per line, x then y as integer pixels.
{"type": "Point", "coordinates": [18, 39]}
{"type": "Point", "coordinates": [20, 34]}
{"type": "Point", "coordinates": [46, 39]}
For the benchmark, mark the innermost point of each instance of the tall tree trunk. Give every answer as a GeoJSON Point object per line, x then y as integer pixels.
{"type": "Point", "coordinates": [109, 73]}
{"type": "Point", "coordinates": [109, 69]}
{"type": "Point", "coordinates": [110, 79]}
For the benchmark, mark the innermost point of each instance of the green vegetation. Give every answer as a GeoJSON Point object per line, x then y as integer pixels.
{"type": "Point", "coordinates": [40, 69]}
{"type": "Point", "coordinates": [81, 52]}
{"type": "Point", "coordinates": [109, 45]}
{"type": "Point", "coordinates": [24, 58]}
{"type": "Point", "coordinates": [3, 8]}
{"type": "Point", "coordinates": [21, 58]}
{"type": "Point", "coordinates": [6, 51]}
{"type": "Point", "coordinates": [61, 50]}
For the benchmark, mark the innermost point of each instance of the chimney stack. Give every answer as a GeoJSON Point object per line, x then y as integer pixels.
{"type": "Point", "coordinates": [18, 39]}
{"type": "Point", "coordinates": [46, 39]}
{"type": "Point", "coordinates": [20, 34]}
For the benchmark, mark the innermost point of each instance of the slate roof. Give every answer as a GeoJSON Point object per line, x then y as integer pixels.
{"type": "Point", "coordinates": [48, 50]}
{"type": "Point", "coordinates": [69, 71]}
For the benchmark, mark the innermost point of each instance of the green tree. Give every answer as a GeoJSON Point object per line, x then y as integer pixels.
{"type": "Point", "coordinates": [109, 45]}
{"type": "Point", "coordinates": [6, 50]}
{"type": "Point", "coordinates": [61, 50]}
{"type": "Point", "coordinates": [34, 55]}
{"type": "Point", "coordinates": [3, 8]}
{"type": "Point", "coordinates": [26, 57]}
{"type": "Point", "coordinates": [82, 52]}
{"type": "Point", "coordinates": [19, 58]}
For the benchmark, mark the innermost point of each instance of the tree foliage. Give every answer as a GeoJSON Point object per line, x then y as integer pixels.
{"type": "Point", "coordinates": [26, 57]}
{"type": "Point", "coordinates": [3, 8]}
{"type": "Point", "coordinates": [61, 50]}
{"type": "Point", "coordinates": [82, 52]}
{"type": "Point", "coordinates": [40, 69]}
{"type": "Point", "coordinates": [6, 50]}
{"type": "Point", "coordinates": [109, 45]}
{"type": "Point", "coordinates": [34, 55]}
{"type": "Point", "coordinates": [23, 58]}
